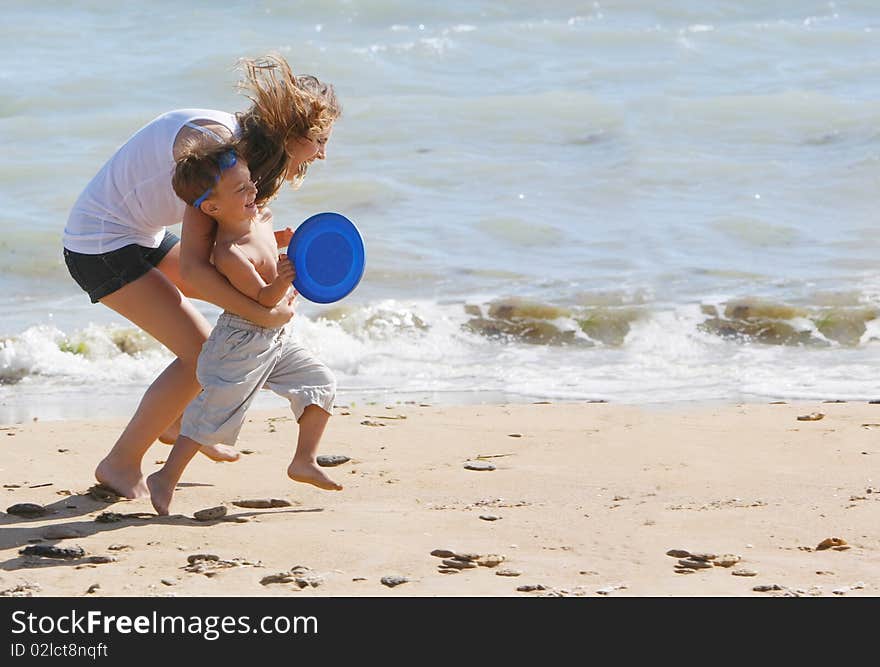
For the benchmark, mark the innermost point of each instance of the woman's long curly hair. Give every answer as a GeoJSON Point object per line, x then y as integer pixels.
{"type": "Point", "coordinates": [285, 107]}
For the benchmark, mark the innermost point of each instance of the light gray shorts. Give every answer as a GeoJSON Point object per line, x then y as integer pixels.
{"type": "Point", "coordinates": [240, 358]}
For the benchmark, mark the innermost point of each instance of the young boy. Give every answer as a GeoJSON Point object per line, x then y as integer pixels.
{"type": "Point", "coordinates": [240, 358]}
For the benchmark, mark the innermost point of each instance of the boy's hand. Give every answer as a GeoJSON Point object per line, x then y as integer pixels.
{"type": "Point", "coordinates": [282, 237]}
{"type": "Point", "coordinates": [286, 272]}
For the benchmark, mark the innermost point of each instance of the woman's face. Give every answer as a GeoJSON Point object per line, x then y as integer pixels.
{"type": "Point", "coordinates": [304, 151]}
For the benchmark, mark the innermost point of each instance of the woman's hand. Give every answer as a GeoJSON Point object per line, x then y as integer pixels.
{"type": "Point", "coordinates": [283, 236]}
{"type": "Point", "coordinates": [281, 313]}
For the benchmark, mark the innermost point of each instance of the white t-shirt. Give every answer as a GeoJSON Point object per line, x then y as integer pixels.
{"type": "Point", "coordinates": [130, 200]}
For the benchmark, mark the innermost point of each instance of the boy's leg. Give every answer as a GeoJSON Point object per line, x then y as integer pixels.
{"type": "Point", "coordinates": [304, 467]}
{"type": "Point", "coordinates": [162, 482]}
{"type": "Point", "coordinates": [310, 387]}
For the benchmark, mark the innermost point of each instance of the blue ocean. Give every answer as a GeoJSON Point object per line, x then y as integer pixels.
{"type": "Point", "coordinates": [631, 201]}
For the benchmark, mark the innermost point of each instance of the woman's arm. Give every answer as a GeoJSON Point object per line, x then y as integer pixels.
{"type": "Point", "coordinates": [196, 245]}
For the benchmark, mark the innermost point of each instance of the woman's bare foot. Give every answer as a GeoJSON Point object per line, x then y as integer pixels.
{"type": "Point", "coordinates": [310, 473]}
{"type": "Point", "coordinates": [160, 493]}
{"type": "Point", "coordinates": [126, 480]}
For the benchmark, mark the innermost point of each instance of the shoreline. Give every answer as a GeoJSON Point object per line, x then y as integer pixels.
{"type": "Point", "coordinates": [588, 498]}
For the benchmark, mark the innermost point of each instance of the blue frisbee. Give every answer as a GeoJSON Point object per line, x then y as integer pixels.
{"type": "Point", "coordinates": [327, 252]}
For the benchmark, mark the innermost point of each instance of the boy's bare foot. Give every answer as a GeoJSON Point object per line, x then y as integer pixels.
{"type": "Point", "coordinates": [223, 453]}
{"type": "Point", "coordinates": [170, 434]}
{"type": "Point", "coordinates": [160, 493]}
{"type": "Point", "coordinates": [127, 481]}
{"type": "Point", "coordinates": [310, 473]}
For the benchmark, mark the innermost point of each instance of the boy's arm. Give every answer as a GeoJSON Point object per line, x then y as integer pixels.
{"type": "Point", "coordinates": [240, 271]}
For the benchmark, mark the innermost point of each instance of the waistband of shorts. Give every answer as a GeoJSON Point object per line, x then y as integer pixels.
{"type": "Point", "coordinates": [239, 322]}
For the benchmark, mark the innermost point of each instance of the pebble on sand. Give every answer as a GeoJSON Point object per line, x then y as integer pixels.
{"type": "Point", "coordinates": [210, 514]}
{"type": "Point", "coordinates": [330, 460]}
{"type": "Point", "coordinates": [27, 510]}
{"type": "Point", "coordinates": [393, 580]}
{"type": "Point", "coordinates": [528, 588]}
{"type": "Point", "coordinates": [479, 465]}
{"type": "Point", "coordinates": [812, 417]}
{"type": "Point", "coordinates": [278, 578]}
{"type": "Point", "coordinates": [763, 588]}
{"type": "Point", "coordinates": [262, 503]}
{"type": "Point", "coordinates": [830, 542]}
{"type": "Point", "coordinates": [47, 551]}
{"type": "Point", "coordinates": [103, 493]}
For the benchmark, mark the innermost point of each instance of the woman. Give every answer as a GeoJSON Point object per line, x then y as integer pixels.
{"type": "Point", "coordinates": [117, 247]}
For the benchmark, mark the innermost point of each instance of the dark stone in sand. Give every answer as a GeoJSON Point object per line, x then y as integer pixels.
{"type": "Point", "coordinates": [763, 588]}
{"type": "Point", "coordinates": [200, 557]}
{"type": "Point", "coordinates": [262, 503]}
{"type": "Point", "coordinates": [100, 560]}
{"type": "Point", "coordinates": [280, 578]}
{"type": "Point", "coordinates": [104, 494]}
{"type": "Point", "coordinates": [47, 551]}
{"type": "Point", "coordinates": [443, 553]}
{"type": "Point", "coordinates": [393, 581]}
{"type": "Point", "coordinates": [210, 514]}
{"type": "Point", "coordinates": [27, 510]}
{"type": "Point", "coordinates": [528, 588]}
{"type": "Point", "coordinates": [330, 460]}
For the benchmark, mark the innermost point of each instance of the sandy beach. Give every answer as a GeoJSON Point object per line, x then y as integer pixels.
{"type": "Point", "coordinates": [584, 499]}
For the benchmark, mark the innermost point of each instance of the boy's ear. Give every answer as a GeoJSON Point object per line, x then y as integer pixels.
{"type": "Point", "coordinates": [208, 207]}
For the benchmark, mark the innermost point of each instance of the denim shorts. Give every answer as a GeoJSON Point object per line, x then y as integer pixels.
{"type": "Point", "coordinates": [103, 274]}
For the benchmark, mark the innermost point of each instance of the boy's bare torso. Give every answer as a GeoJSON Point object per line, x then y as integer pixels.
{"type": "Point", "coordinates": [257, 246]}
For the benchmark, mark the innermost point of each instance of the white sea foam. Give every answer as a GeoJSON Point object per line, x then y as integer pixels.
{"type": "Point", "coordinates": [694, 153]}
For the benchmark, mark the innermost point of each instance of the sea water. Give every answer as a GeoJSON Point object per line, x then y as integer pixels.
{"type": "Point", "coordinates": [631, 200]}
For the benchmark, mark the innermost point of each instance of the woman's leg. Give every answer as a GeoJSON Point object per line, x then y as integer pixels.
{"type": "Point", "coordinates": [170, 268]}
{"type": "Point", "coordinates": [155, 305]}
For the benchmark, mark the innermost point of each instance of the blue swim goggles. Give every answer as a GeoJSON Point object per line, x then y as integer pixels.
{"type": "Point", "coordinates": [225, 161]}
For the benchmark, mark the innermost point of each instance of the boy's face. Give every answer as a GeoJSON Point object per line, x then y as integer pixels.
{"type": "Point", "coordinates": [304, 151]}
{"type": "Point", "coordinates": [232, 199]}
